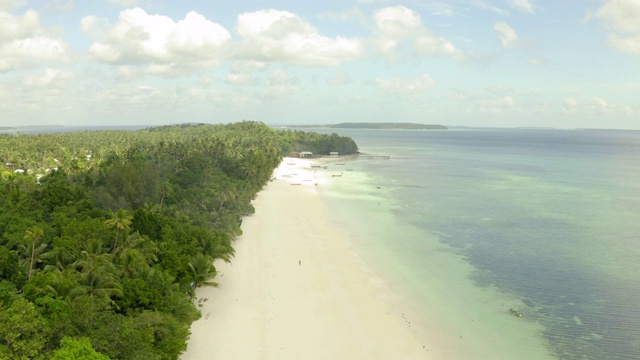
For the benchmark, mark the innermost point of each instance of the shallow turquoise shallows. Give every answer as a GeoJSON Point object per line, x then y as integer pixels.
{"type": "Point", "coordinates": [478, 226]}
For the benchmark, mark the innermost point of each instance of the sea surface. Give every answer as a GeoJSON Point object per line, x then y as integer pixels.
{"type": "Point", "coordinates": [469, 223]}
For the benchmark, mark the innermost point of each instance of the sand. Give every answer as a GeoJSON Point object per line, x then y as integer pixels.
{"type": "Point", "coordinates": [296, 289]}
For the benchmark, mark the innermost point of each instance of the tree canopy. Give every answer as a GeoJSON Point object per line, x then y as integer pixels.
{"type": "Point", "coordinates": [105, 235]}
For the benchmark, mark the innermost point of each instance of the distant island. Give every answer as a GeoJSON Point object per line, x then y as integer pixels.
{"type": "Point", "coordinates": [29, 128]}
{"type": "Point", "coordinates": [387, 125]}
{"type": "Point", "coordinates": [374, 125]}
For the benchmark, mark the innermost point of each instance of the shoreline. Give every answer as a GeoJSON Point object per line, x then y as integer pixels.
{"type": "Point", "coordinates": [431, 283]}
{"type": "Point", "coordinates": [297, 289]}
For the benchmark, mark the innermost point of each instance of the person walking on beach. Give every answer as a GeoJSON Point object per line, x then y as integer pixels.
{"type": "Point", "coordinates": [299, 262]}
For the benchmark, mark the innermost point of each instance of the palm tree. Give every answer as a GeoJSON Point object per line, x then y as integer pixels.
{"type": "Point", "coordinates": [176, 302]}
{"type": "Point", "coordinates": [215, 248]}
{"type": "Point", "coordinates": [99, 283]}
{"type": "Point", "coordinates": [180, 306]}
{"type": "Point", "coordinates": [225, 195]}
{"type": "Point", "coordinates": [63, 285]}
{"type": "Point", "coordinates": [121, 221]}
{"type": "Point", "coordinates": [202, 271]}
{"type": "Point", "coordinates": [59, 261]}
{"type": "Point", "coordinates": [92, 257]}
{"type": "Point", "coordinates": [35, 253]}
{"type": "Point", "coordinates": [165, 192]}
{"type": "Point", "coordinates": [136, 252]}
{"type": "Point", "coordinates": [97, 277]}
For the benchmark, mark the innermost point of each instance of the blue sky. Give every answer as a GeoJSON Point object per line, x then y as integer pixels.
{"type": "Point", "coordinates": [500, 63]}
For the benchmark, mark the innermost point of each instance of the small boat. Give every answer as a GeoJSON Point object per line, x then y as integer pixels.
{"type": "Point", "coordinates": [515, 313]}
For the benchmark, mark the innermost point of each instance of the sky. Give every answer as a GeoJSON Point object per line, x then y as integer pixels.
{"type": "Point", "coordinates": [496, 63]}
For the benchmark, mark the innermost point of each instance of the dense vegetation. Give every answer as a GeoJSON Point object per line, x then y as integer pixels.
{"type": "Point", "coordinates": [105, 235]}
{"type": "Point", "coordinates": [316, 143]}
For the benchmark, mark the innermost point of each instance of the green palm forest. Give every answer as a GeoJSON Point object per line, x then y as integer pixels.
{"type": "Point", "coordinates": [104, 235]}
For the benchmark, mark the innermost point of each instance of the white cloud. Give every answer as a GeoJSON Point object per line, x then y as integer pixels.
{"type": "Point", "coordinates": [42, 93]}
{"type": "Point", "coordinates": [131, 97]}
{"type": "Point", "coordinates": [496, 104]}
{"type": "Point", "coordinates": [628, 110]}
{"type": "Point", "coordinates": [500, 90]}
{"type": "Point", "coordinates": [48, 78]}
{"type": "Point", "coordinates": [195, 36]}
{"type": "Point", "coordinates": [406, 86]}
{"type": "Point", "coordinates": [599, 104]}
{"type": "Point", "coordinates": [140, 38]}
{"type": "Point", "coordinates": [279, 77]}
{"type": "Point", "coordinates": [340, 78]}
{"type": "Point", "coordinates": [125, 3]}
{"type": "Point", "coordinates": [570, 104]}
{"type": "Point", "coordinates": [350, 99]}
{"type": "Point", "coordinates": [147, 88]}
{"type": "Point", "coordinates": [522, 5]}
{"type": "Point", "coordinates": [60, 5]}
{"type": "Point", "coordinates": [8, 5]}
{"type": "Point", "coordinates": [173, 69]}
{"type": "Point", "coordinates": [495, 99]}
{"type": "Point", "coordinates": [18, 27]}
{"type": "Point", "coordinates": [439, 8]}
{"type": "Point", "coordinates": [398, 23]}
{"type": "Point", "coordinates": [346, 15]}
{"type": "Point", "coordinates": [126, 73]}
{"type": "Point", "coordinates": [24, 44]}
{"type": "Point", "coordinates": [485, 6]}
{"type": "Point", "coordinates": [281, 84]}
{"type": "Point", "coordinates": [536, 61]}
{"type": "Point", "coordinates": [242, 79]}
{"type": "Point", "coordinates": [247, 66]}
{"type": "Point", "coordinates": [508, 36]}
{"type": "Point", "coordinates": [280, 36]}
{"type": "Point", "coordinates": [622, 19]}
{"type": "Point", "coordinates": [93, 26]}
{"type": "Point", "coordinates": [242, 72]}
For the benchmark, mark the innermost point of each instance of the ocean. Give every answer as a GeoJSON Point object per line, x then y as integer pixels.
{"type": "Point", "coordinates": [467, 224]}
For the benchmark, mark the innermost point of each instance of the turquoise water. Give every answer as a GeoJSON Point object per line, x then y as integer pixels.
{"type": "Point", "coordinates": [479, 221]}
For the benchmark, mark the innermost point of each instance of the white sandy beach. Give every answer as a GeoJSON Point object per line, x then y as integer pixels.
{"type": "Point", "coordinates": [297, 290]}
